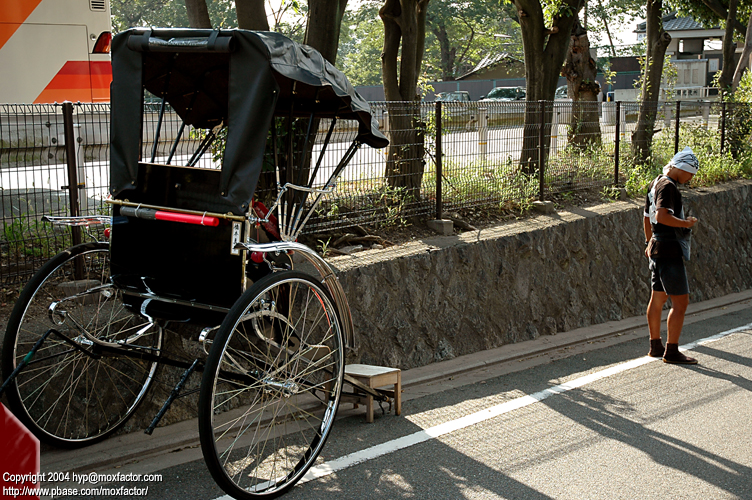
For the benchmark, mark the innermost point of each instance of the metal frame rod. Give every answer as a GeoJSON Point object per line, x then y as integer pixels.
{"type": "Point", "coordinates": [304, 152]}
{"type": "Point", "coordinates": [330, 183]}
{"type": "Point", "coordinates": [159, 128]}
{"type": "Point", "coordinates": [323, 150]}
{"type": "Point", "coordinates": [202, 148]}
{"type": "Point", "coordinates": [175, 144]}
{"type": "Point", "coordinates": [123, 203]}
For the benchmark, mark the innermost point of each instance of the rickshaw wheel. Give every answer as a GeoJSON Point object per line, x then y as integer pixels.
{"type": "Point", "coordinates": [271, 386]}
{"type": "Point", "coordinates": [65, 396]}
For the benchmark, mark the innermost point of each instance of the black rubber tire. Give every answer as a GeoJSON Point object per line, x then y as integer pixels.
{"type": "Point", "coordinates": [272, 381]}
{"type": "Point", "coordinates": [66, 398]}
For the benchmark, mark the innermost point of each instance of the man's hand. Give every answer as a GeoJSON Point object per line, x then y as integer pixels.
{"type": "Point", "coordinates": [691, 221]}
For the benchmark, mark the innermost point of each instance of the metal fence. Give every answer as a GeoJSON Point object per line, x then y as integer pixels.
{"type": "Point", "coordinates": [443, 157]}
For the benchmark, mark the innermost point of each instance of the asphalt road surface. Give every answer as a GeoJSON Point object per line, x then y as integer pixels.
{"type": "Point", "coordinates": [601, 421]}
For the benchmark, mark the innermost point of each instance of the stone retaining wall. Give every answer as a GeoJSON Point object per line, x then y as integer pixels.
{"type": "Point", "coordinates": [443, 297]}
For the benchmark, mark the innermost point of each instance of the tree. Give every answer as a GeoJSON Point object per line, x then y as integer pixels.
{"type": "Point", "coordinates": [546, 29]}
{"type": "Point", "coordinates": [580, 70]}
{"type": "Point", "coordinates": [459, 33]}
{"type": "Point", "coordinates": [656, 42]}
{"type": "Point", "coordinates": [404, 39]}
{"type": "Point", "coordinates": [198, 14]}
{"type": "Point", "coordinates": [744, 60]}
{"type": "Point", "coordinates": [251, 15]}
{"type": "Point", "coordinates": [726, 76]}
{"type": "Point", "coordinates": [323, 26]}
{"type": "Point", "coordinates": [361, 44]}
{"type": "Point", "coordinates": [167, 14]}
{"type": "Point", "coordinates": [712, 12]}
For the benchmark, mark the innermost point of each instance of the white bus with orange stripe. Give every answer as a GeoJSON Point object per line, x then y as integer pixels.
{"type": "Point", "coordinates": [55, 51]}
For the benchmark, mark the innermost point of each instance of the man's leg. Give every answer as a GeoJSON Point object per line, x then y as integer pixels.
{"type": "Point", "coordinates": [655, 308]}
{"type": "Point", "coordinates": [674, 325]}
{"type": "Point", "coordinates": [675, 320]}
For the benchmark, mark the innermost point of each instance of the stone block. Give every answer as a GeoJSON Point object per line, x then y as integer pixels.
{"type": "Point", "coordinates": [444, 227]}
{"type": "Point", "coordinates": [544, 207]}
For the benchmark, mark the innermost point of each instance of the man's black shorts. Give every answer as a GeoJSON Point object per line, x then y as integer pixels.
{"type": "Point", "coordinates": [669, 275]}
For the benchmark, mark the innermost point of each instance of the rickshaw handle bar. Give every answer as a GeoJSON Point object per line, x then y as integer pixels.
{"type": "Point", "coordinates": [125, 203]}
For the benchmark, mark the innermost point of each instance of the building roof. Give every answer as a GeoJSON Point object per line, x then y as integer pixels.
{"type": "Point", "coordinates": [672, 22]}
{"type": "Point", "coordinates": [491, 61]}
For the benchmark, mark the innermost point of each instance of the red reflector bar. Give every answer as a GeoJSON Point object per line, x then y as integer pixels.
{"type": "Point", "coordinates": [103, 43]}
{"type": "Point", "coordinates": [202, 220]}
{"type": "Point", "coordinates": [151, 214]}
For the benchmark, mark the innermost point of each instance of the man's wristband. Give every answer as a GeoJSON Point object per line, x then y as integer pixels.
{"type": "Point", "coordinates": [647, 242]}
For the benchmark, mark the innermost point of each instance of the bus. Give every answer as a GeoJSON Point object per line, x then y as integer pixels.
{"type": "Point", "coordinates": [55, 51]}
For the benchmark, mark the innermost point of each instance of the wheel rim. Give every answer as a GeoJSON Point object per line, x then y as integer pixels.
{"type": "Point", "coordinates": [68, 396]}
{"type": "Point", "coordinates": [277, 387]}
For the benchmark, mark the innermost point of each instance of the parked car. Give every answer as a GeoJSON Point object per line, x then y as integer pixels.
{"type": "Point", "coordinates": [457, 96]}
{"type": "Point", "coordinates": [505, 94]}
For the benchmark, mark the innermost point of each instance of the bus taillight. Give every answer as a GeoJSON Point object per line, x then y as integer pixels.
{"type": "Point", "coordinates": [103, 43]}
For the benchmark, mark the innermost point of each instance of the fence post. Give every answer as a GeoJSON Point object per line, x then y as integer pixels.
{"type": "Point", "coordinates": [723, 124]}
{"type": "Point", "coordinates": [439, 159]}
{"type": "Point", "coordinates": [541, 147]}
{"type": "Point", "coordinates": [616, 142]}
{"type": "Point", "coordinates": [72, 164]}
{"type": "Point", "coordinates": [483, 133]}
{"type": "Point", "coordinates": [676, 132]}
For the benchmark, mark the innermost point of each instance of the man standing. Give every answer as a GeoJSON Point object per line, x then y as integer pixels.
{"type": "Point", "coordinates": [667, 245]}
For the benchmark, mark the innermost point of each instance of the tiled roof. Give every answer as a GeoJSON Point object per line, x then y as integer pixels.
{"type": "Point", "coordinates": [671, 22]}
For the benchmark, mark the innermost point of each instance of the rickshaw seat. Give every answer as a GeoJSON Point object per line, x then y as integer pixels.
{"type": "Point", "coordinates": [172, 259]}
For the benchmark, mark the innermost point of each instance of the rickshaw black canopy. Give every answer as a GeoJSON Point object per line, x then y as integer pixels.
{"type": "Point", "coordinates": [233, 77]}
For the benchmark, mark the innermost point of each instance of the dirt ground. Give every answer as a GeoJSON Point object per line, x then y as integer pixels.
{"type": "Point", "coordinates": [470, 219]}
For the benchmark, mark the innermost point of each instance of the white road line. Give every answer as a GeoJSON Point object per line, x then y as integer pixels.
{"type": "Point", "coordinates": [379, 450]}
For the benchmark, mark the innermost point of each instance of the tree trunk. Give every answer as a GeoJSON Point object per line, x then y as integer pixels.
{"type": "Point", "coordinates": [729, 47]}
{"type": "Point", "coordinates": [322, 33]}
{"type": "Point", "coordinates": [323, 26]}
{"type": "Point", "coordinates": [251, 15]}
{"type": "Point", "coordinates": [581, 71]}
{"type": "Point", "coordinates": [744, 60]}
{"type": "Point", "coordinates": [657, 42]}
{"type": "Point", "coordinates": [545, 50]}
{"type": "Point", "coordinates": [405, 28]}
{"type": "Point", "coordinates": [198, 14]}
{"type": "Point", "coordinates": [447, 52]}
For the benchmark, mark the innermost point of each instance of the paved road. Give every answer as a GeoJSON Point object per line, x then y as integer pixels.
{"type": "Point", "coordinates": [596, 421]}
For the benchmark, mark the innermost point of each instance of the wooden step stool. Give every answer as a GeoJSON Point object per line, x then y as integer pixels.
{"type": "Point", "coordinates": [374, 377]}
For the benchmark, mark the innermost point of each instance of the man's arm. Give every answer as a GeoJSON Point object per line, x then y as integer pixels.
{"type": "Point", "coordinates": [663, 216]}
{"type": "Point", "coordinates": [648, 232]}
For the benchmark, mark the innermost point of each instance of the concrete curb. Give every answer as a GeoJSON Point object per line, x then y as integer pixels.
{"type": "Point", "coordinates": [137, 446]}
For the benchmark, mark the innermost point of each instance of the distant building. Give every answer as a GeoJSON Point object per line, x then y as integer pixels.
{"type": "Point", "coordinates": [496, 67]}
{"type": "Point", "coordinates": [694, 49]}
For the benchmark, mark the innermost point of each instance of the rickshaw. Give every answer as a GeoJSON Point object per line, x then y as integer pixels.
{"type": "Point", "coordinates": [184, 245]}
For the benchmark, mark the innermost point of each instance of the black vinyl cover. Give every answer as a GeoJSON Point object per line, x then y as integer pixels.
{"type": "Point", "coordinates": [236, 77]}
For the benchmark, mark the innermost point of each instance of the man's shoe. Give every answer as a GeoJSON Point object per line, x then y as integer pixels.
{"type": "Point", "coordinates": [656, 348]}
{"type": "Point", "coordinates": [674, 357]}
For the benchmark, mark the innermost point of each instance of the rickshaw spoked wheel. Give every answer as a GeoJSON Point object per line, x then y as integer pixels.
{"type": "Point", "coordinates": [271, 386]}
{"type": "Point", "coordinates": [64, 396]}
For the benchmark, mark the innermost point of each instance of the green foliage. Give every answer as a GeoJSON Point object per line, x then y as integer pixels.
{"type": "Point", "coordinates": [668, 77]}
{"type": "Point", "coordinates": [361, 41]}
{"type": "Point", "coordinates": [715, 167]}
{"type": "Point", "coordinates": [476, 181]}
{"type": "Point", "coordinates": [472, 30]}
{"type": "Point", "coordinates": [744, 91]}
{"type": "Point", "coordinates": [167, 13]}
